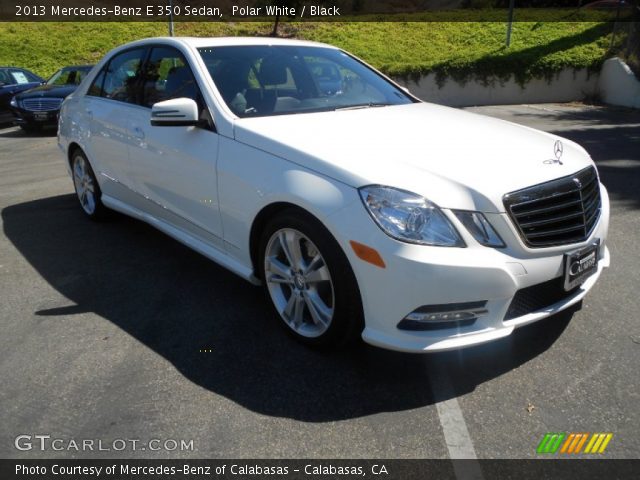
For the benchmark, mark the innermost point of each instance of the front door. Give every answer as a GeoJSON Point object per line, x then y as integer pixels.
{"type": "Point", "coordinates": [175, 167]}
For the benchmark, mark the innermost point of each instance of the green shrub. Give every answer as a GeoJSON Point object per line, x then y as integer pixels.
{"type": "Point", "coordinates": [461, 50]}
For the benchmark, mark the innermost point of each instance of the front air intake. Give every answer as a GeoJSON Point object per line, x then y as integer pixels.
{"type": "Point", "coordinates": [538, 297]}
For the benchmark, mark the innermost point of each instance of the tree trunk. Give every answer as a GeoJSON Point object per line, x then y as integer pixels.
{"type": "Point", "coordinates": [274, 32]}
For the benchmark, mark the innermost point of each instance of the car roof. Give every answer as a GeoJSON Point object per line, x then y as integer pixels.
{"type": "Point", "coordinates": [76, 66]}
{"type": "Point", "coordinates": [202, 42]}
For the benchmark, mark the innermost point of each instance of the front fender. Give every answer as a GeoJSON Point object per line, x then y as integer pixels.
{"type": "Point", "coordinates": [73, 128]}
{"type": "Point", "coordinates": [250, 179]}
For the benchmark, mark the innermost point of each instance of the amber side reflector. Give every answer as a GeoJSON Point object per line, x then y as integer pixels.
{"type": "Point", "coordinates": [367, 254]}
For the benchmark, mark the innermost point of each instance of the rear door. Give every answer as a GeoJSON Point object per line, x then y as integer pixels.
{"type": "Point", "coordinates": [111, 100]}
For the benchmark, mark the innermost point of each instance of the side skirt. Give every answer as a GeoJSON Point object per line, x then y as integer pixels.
{"type": "Point", "coordinates": [203, 248]}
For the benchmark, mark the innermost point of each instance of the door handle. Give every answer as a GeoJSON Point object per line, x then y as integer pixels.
{"type": "Point", "coordinates": [88, 112]}
{"type": "Point", "coordinates": [138, 132]}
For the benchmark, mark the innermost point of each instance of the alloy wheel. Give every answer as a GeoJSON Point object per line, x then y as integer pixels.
{"type": "Point", "coordinates": [85, 188]}
{"type": "Point", "coordinates": [299, 282]}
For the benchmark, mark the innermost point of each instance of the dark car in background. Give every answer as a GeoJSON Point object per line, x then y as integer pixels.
{"type": "Point", "coordinates": [40, 106]}
{"type": "Point", "coordinates": [14, 80]}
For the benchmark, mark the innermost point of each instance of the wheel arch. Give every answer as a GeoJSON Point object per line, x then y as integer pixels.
{"type": "Point", "coordinates": [260, 222]}
{"type": "Point", "coordinates": [71, 149]}
{"type": "Point", "coordinates": [262, 219]}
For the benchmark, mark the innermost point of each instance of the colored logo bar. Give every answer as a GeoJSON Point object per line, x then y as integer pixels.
{"type": "Point", "coordinates": [573, 443]}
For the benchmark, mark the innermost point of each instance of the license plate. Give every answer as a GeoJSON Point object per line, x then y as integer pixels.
{"type": "Point", "coordinates": [41, 117]}
{"type": "Point", "coordinates": [580, 265]}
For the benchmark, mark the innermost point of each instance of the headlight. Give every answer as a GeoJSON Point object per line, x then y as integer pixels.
{"type": "Point", "coordinates": [408, 217]}
{"type": "Point", "coordinates": [480, 228]}
{"type": "Point", "coordinates": [13, 102]}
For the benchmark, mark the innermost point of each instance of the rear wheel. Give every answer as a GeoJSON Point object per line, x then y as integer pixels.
{"type": "Point", "coordinates": [86, 186]}
{"type": "Point", "coordinates": [309, 281]}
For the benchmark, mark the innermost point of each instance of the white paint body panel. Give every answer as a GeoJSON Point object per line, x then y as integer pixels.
{"type": "Point", "coordinates": [206, 188]}
{"type": "Point", "coordinates": [454, 158]}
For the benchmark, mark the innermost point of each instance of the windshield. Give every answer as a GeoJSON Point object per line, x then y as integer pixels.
{"type": "Point", "coordinates": [69, 76]}
{"type": "Point", "coordinates": [276, 80]}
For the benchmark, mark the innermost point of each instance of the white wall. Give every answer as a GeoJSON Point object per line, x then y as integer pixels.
{"type": "Point", "coordinates": [615, 84]}
{"type": "Point", "coordinates": [618, 85]}
{"type": "Point", "coordinates": [567, 86]}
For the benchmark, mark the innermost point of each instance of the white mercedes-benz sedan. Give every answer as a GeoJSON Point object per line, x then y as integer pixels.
{"type": "Point", "coordinates": [360, 209]}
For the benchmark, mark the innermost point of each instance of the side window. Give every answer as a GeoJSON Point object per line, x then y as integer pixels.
{"type": "Point", "coordinates": [31, 76]}
{"type": "Point", "coordinates": [4, 77]}
{"type": "Point", "coordinates": [167, 75]}
{"type": "Point", "coordinates": [19, 77]}
{"type": "Point", "coordinates": [122, 77]}
{"type": "Point", "coordinates": [95, 90]}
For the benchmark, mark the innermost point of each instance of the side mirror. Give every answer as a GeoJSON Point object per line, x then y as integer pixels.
{"type": "Point", "coordinates": [177, 112]}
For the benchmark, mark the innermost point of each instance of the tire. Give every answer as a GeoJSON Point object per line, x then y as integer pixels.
{"type": "Point", "coordinates": [312, 289]}
{"type": "Point", "coordinates": [86, 186]}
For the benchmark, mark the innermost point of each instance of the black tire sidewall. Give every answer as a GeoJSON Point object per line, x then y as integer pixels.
{"type": "Point", "coordinates": [347, 322]}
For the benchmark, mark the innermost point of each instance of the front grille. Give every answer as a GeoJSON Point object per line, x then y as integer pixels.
{"type": "Point", "coordinates": [558, 212]}
{"type": "Point", "coordinates": [41, 104]}
{"type": "Point", "coordinates": [538, 297]}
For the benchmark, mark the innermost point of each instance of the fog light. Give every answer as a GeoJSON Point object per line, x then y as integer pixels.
{"type": "Point", "coordinates": [451, 315]}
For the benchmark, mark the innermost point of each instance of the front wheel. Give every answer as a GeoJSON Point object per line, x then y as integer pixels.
{"type": "Point", "coordinates": [309, 281]}
{"type": "Point", "coordinates": [86, 186]}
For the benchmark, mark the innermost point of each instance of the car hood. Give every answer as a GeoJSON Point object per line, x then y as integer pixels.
{"type": "Point", "coordinates": [454, 158]}
{"type": "Point", "coordinates": [56, 91]}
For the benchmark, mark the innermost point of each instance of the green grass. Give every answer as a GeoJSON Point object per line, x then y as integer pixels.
{"type": "Point", "coordinates": [460, 50]}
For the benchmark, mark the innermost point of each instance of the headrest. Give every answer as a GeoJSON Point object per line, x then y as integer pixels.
{"type": "Point", "coordinates": [180, 83]}
{"type": "Point", "coordinates": [273, 71]}
{"type": "Point", "coordinates": [178, 75]}
{"type": "Point", "coordinates": [231, 78]}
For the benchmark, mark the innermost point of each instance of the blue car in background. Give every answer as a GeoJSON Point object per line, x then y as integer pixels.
{"type": "Point", "coordinates": [14, 80]}
{"type": "Point", "coordinates": [40, 106]}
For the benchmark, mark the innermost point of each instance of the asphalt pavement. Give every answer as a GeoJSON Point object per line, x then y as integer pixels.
{"type": "Point", "coordinates": [115, 331]}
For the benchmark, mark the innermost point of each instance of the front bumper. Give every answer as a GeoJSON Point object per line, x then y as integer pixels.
{"type": "Point", "coordinates": [27, 117]}
{"type": "Point", "coordinates": [417, 275]}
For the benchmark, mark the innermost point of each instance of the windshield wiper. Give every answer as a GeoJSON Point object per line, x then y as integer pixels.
{"type": "Point", "coordinates": [363, 105]}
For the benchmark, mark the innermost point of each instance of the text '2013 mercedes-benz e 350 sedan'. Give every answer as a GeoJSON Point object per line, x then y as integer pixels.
{"type": "Point", "coordinates": [361, 210]}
